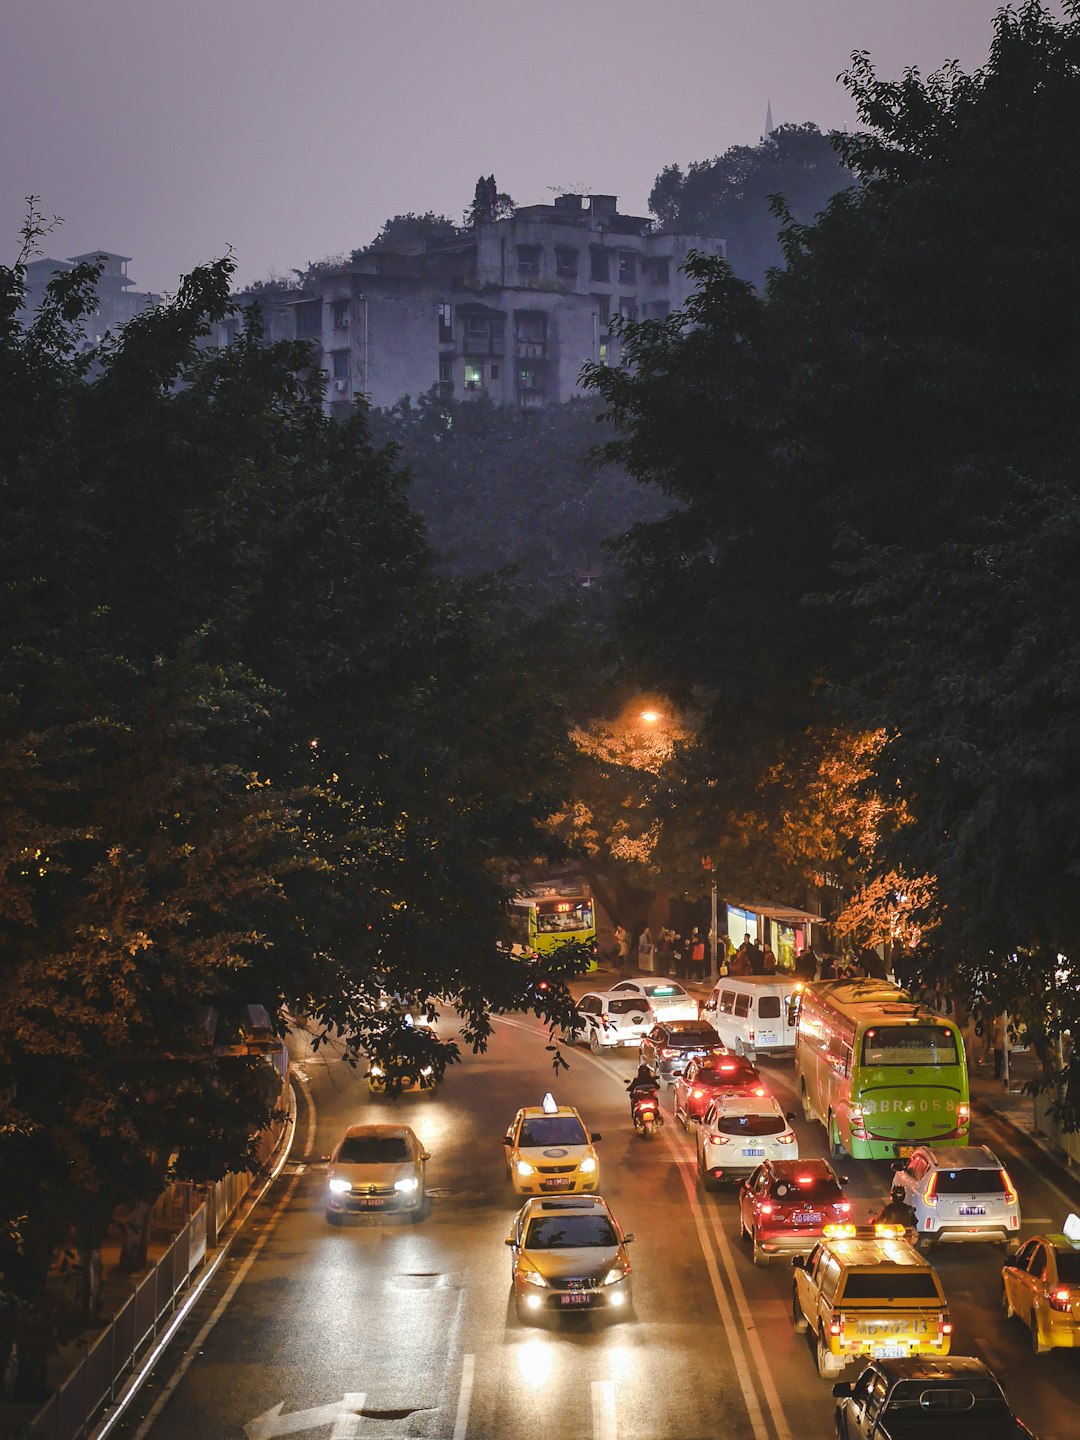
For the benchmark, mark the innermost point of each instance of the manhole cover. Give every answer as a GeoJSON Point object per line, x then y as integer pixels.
{"type": "Point", "coordinates": [417, 1280]}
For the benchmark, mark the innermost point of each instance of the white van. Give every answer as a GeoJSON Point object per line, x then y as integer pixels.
{"type": "Point", "coordinates": [750, 1014]}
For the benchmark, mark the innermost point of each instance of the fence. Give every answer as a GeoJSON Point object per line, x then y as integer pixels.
{"type": "Point", "coordinates": [96, 1379]}
{"type": "Point", "coordinates": [1068, 1141]}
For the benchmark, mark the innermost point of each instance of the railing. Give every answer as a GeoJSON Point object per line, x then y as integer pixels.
{"type": "Point", "coordinates": [1067, 1141]}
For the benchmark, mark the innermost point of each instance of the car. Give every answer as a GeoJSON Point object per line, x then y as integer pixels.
{"type": "Point", "coordinates": [549, 1151]}
{"type": "Point", "coordinates": [713, 1075]}
{"type": "Point", "coordinates": [412, 1067]}
{"type": "Point", "coordinates": [750, 1013]}
{"type": "Point", "coordinates": [865, 1293]}
{"type": "Point", "coordinates": [670, 1045]}
{"type": "Point", "coordinates": [959, 1192]}
{"type": "Point", "coordinates": [667, 998]}
{"type": "Point", "coordinates": [738, 1132]}
{"type": "Point", "coordinates": [376, 1168]}
{"type": "Point", "coordinates": [1041, 1287]}
{"type": "Point", "coordinates": [569, 1255]}
{"type": "Point", "coordinates": [610, 1021]}
{"type": "Point", "coordinates": [953, 1395]}
{"type": "Point", "coordinates": [785, 1205]}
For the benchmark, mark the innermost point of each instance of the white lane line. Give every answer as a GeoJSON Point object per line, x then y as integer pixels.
{"type": "Point", "coordinates": [603, 1410]}
{"type": "Point", "coordinates": [461, 1422]}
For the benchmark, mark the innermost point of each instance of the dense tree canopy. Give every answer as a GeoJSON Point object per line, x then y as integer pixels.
{"type": "Point", "coordinates": [877, 466]}
{"type": "Point", "coordinates": [730, 196]}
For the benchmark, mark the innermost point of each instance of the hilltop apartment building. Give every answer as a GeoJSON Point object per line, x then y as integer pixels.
{"type": "Point", "coordinates": [117, 301]}
{"type": "Point", "coordinates": [512, 310]}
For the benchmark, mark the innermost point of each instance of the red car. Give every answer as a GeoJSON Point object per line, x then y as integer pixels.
{"type": "Point", "coordinates": [725, 1074]}
{"type": "Point", "coordinates": [785, 1205]}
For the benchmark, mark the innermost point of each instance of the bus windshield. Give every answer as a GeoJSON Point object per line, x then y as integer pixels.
{"type": "Point", "coordinates": [553, 918]}
{"type": "Point", "coordinates": [909, 1045]}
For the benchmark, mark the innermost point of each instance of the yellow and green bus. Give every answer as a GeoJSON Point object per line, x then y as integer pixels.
{"type": "Point", "coordinates": [880, 1071]}
{"type": "Point", "coordinates": [542, 917]}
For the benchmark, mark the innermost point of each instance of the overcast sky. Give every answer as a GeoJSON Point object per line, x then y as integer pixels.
{"type": "Point", "coordinates": [172, 130]}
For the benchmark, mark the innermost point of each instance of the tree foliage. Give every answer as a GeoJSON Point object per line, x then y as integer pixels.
{"type": "Point", "coordinates": [731, 196]}
{"type": "Point", "coordinates": [489, 203]}
{"type": "Point", "coordinates": [411, 232]}
{"type": "Point", "coordinates": [876, 467]}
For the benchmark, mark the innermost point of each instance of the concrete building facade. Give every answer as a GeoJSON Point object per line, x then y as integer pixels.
{"type": "Point", "coordinates": [511, 310]}
{"type": "Point", "coordinates": [117, 301]}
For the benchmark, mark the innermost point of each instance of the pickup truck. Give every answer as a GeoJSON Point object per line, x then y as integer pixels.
{"type": "Point", "coordinates": [923, 1399]}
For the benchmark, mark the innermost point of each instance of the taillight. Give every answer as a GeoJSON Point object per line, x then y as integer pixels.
{"type": "Point", "coordinates": [697, 1094]}
{"type": "Point", "coordinates": [1010, 1188]}
{"type": "Point", "coordinates": [836, 1326]}
{"type": "Point", "coordinates": [766, 1207]}
{"type": "Point", "coordinates": [858, 1129]}
{"type": "Point", "coordinates": [844, 1207]}
{"type": "Point", "coordinates": [946, 1327]}
{"type": "Point", "coordinates": [750, 1034]}
{"type": "Point", "coordinates": [760, 1090]}
{"type": "Point", "coordinates": [786, 1139]}
{"type": "Point", "coordinates": [1060, 1299]}
{"type": "Point", "coordinates": [931, 1190]}
{"type": "Point", "coordinates": [668, 1053]}
{"type": "Point", "coordinates": [963, 1117]}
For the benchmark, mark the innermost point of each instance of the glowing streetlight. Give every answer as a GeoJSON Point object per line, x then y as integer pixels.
{"type": "Point", "coordinates": [651, 716]}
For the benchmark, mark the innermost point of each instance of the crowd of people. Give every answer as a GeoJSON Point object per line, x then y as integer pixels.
{"type": "Point", "coordinates": [688, 956]}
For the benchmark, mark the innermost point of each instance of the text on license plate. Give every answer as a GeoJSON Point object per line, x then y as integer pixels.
{"type": "Point", "coordinates": [767, 1037]}
{"type": "Point", "coordinates": [806, 1217]}
{"type": "Point", "coordinates": [367, 1201]}
{"type": "Point", "coordinates": [576, 1297]}
{"type": "Point", "coordinates": [757, 1151]}
{"type": "Point", "coordinates": [559, 1182]}
{"type": "Point", "coordinates": [890, 1352]}
{"type": "Point", "coordinates": [972, 1209]}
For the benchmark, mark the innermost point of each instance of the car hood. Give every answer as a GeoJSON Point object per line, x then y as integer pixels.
{"type": "Point", "coordinates": [381, 1176]}
{"type": "Point", "coordinates": [591, 1262]}
{"type": "Point", "coordinates": [554, 1154]}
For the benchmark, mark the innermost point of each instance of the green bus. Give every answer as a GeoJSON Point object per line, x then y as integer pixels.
{"type": "Point", "coordinates": [543, 916]}
{"type": "Point", "coordinates": [880, 1071]}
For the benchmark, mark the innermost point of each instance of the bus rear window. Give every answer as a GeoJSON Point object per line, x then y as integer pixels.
{"type": "Point", "coordinates": [909, 1045]}
{"type": "Point", "coordinates": [887, 1283]}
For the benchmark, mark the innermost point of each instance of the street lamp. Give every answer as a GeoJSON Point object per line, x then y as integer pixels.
{"type": "Point", "coordinates": [651, 716]}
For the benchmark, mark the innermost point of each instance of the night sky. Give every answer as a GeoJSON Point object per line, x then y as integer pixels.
{"type": "Point", "coordinates": [288, 130]}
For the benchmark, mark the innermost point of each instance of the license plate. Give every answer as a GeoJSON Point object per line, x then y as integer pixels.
{"type": "Point", "coordinates": [371, 1202]}
{"type": "Point", "coordinates": [806, 1217]}
{"type": "Point", "coordinates": [904, 1150]}
{"type": "Point", "coordinates": [767, 1037]}
{"type": "Point", "coordinates": [972, 1209]}
{"type": "Point", "coordinates": [890, 1352]}
{"type": "Point", "coordinates": [751, 1153]}
{"type": "Point", "coordinates": [576, 1297]}
{"type": "Point", "coordinates": [559, 1182]}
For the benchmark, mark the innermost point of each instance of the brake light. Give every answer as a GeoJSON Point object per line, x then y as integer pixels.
{"type": "Point", "coordinates": [786, 1139]}
{"type": "Point", "coordinates": [963, 1117]}
{"type": "Point", "coordinates": [1010, 1189]}
{"type": "Point", "coordinates": [931, 1190]}
{"type": "Point", "coordinates": [804, 1179]}
{"type": "Point", "coordinates": [697, 1094]}
{"type": "Point", "coordinates": [668, 1053]}
{"type": "Point", "coordinates": [760, 1090]}
{"type": "Point", "coordinates": [726, 1069]}
{"type": "Point", "coordinates": [1060, 1299]}
{"type": "Point", "coordinates": [946, 1327]}
{"type": "Point", "coordinates": [858, 1129]}
{"type": "Point", "coordinates": [844, 1207]}
{"type": "Point", "coordinates": [836, 1326]}
{"type": "Point", "coordinates": [766, 1207]}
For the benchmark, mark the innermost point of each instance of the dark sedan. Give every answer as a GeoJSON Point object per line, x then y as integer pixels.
{"type": "Point", "coordinates": [671, 1045]}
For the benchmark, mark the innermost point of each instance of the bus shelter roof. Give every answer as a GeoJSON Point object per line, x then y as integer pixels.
{"type": "Point", "coordinates": [782, 914]}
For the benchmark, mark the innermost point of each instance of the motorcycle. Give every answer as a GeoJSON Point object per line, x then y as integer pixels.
{"type": "Point", "coordinates": [647, 1117]}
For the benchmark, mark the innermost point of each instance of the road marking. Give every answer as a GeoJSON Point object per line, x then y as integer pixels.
{"type": "Point", "coordinates": [461, 1422]}
{"type": "Point", "coordinates": [603, 1410]}
{"type": "Point", "coordinates": [347, 1424]}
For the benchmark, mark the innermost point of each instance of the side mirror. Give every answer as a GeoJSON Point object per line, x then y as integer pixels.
{"type": "Point", "coordinates": [595, 1137]}
{"type": "Point", "coordinates": [510, 1241]}
{"type": "Point", "coordinates": [798, 1262]}
{"type": "Point", "coordinates": [790, 1115]}
{"type": "Point", "coordinates": [424, 1155]}
{"type": "Point", "coordinates": [628, 1239]}
{"type": "Point", "coordinates": [842, 1180]}
{"type": "Point", "coordinates": [842, 1389]}
{"type": "Point", "coordinates": [325, 1159]}
{"type": "Point", "coordinates": [507, 1140]}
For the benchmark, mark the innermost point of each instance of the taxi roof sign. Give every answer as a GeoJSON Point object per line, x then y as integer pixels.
{"type": "Point", "coordinates": [549, 1105]}
{"type": "Point", "coordinates": [1071, 1228]}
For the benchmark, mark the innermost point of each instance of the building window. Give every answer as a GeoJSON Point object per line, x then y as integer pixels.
{"type": "Point", "coordinates": [446, 369]}
{"type": "Point", "coordinates": [446, 324]}
{"type": "Point", "coordinates": [661, 268]}
{"type": "Point", "coordinates": [566, 261]}
{"type": "Point", "coordinates": [528, 259]}
{"type": "Point", "coordinates": [627, 267]}
{"type": "Point", "coordinates": [308, 319]}
{"type": "Point", "coordinates": [494, 372]}
{"type": "Point", "coordinates": [339, 314]}
{"type": "Point", "coordinates": [529, 378]}
{"type": "Point", "coordinates": [603, 309]}
{"type": "Point", "coordinates": [531, 326]}
{"type": "Point", "coordinates": [603, 352]}
{"type": "Point", "coordinates": [474, 377]}
{"type": "Point", "coordinates": [628, 307]}
{"type": "Point", "coordinates": [598, 263]}
{"type": "Point", "coordinates": [340, 361]}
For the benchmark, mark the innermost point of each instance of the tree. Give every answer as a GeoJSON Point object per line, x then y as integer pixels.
{"type": "Point", "coordinates": [730, 196]}
{"type": "Point", "coordinates": [489, 204]}
{"type": "Point", "coordinates": [411, 232]}
{"type": "Point", "coordinates": [252, 749]}
{"type": "Point", "coordinates": [889, 432]}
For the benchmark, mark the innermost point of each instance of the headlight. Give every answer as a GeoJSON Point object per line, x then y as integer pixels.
{"type": "Point", "coordinates": [588, 1165]}
{"type": "Point", "coordinates": [408, 1184]}
{"type": "Point", "coordinates": [339, 1187]}
{"type": "Point", "coordinates": [613, 1276]}
{"type": "Point", "coordinates": [427, 1072]}
{"type": "Point", "coordinates": [524, 1168]}
{"type": "Point", "coordinates": [376, 1070]}
{"type": "Point", "coordinates": [533, 1277]}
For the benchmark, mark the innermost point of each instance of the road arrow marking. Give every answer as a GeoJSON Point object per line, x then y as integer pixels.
{"type": "Point", "coordinates": [343, 1414]}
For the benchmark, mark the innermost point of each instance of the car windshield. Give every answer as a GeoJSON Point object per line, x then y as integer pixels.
{"type": "Point", "coordinates": [815, 1190]}
{"type": "Point", "coordinates": [626, 1007]}
{"type": "Point", "coordinates": [970, 1182]}
{"type": "Point", "coordinates": [552, 1130]}
{"type": "Point", "coordinates": [909, 1045]}
{"type": "Point", "coordinates": [727, 1072]}
{"type": "Point", "coordinates": [692, 1037]}
{"type": "Point", "coordinates": [750, 1124]}
{"type": "Point", "coordinates": [969, 1392]}
{"type": "Point", "coordinates": [570, 1232]}
{"type": "Point", "coordinates": [664, 992]}
{"type": "Point", "coordinates": [373, 1150]}
{"type": "Point", "coordinates": [889, 1283]}
{"type": "Point", "coordinates": [1069, 1267]}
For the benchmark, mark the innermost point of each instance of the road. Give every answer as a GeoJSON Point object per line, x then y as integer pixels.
{"type": "Point", "coordinates": [384, 1329]}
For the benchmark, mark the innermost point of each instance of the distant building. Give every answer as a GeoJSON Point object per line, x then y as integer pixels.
{"type": "Point", "coordinates": [117, 301]}
{"type": "Point", "coordinates": [511, 310]}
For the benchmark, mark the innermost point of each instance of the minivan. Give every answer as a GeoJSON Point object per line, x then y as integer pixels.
{"type": "Point", "coordinates": [750, 1014]}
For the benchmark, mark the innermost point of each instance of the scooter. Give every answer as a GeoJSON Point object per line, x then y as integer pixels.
{"type": "Point", "coordinates": [647, 1117]}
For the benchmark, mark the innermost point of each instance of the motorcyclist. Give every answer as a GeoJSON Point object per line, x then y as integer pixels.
{"type": "Point", "coordinates": [643, 1083]}
{"type": "Point", "coordinates": [897, 1210]}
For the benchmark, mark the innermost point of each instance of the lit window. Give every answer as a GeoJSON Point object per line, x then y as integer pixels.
{"type": "Point", "coordinates": [474, 377]}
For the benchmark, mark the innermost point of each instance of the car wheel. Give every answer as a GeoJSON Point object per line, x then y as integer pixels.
{"type": "Point", "coordinates": [417, 1214]}
{"type": "Point", "coordinates": [1038, 1344]}
{"type": "Point", "coordinates": [740, 1049]}
{"type": "Point", "coordinates": [744, 1233]}
{"type": "Point", "coordinates": [807, 1108]}
{"type": "Point", "coordinates": [333, 1218]}
{"type": "Point", "coordinates": [759, 1255]}
{"type": "Point", "coordinates": [707, 1182]}
{"type": "Point", "coordinates": [594, 1042]}
{"type": "Point", "coordinates": [1006, 1304]}
{"type": "Point", "coordinates": [798, 1319]}
{"type": "Point", "coordinates": [826, 1360]}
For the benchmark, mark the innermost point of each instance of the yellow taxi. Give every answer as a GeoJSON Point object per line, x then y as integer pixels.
{"type": "Point", "coordinates": [550, 1152]}
{"type": "Point", "coordinates": [866, 1293]}
{"type": "Point", "coordinates": [1041, 1286]}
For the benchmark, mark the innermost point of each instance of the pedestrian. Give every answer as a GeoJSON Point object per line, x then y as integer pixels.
{"type": "Point", "coordinates": [697, 954]}
{"type": "Point", "coordinates": [997, 1042]}
{"type": "Point", "coordinates": [756, 958]}
{"type": "Point", "coordinates": [828, 967]}
{"type": "Point", "coordinates": [806, 963]}
{"type": "Point", "coordinates": [678, 955]}
{"type": "Point", "coordinates": [768, 961]}
{"type": "Point", "coordinates": [645, 949]}
{"type": "Point", "coordinates": [622, 947]}
{"type": "Point", "coordinates": [663, 951]}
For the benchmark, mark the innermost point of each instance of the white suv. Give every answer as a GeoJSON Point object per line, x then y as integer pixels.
{"type": "Point", "coordinates": [737, 1133]}
{"type": "Point", "coordinates": [609, 1021]}
{"type": "Point", "coordinates": [959, 1192]}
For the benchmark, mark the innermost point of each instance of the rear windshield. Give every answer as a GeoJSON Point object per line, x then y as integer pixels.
{"type": "Point", "coordinates": [692, 1038]}
{"type": "Point", "coordinates": [1069, 1267]}
{"type": "Point", "coordinates": [626, 1007]}
{"type": "Point", "coordinates": [970, 1182]}
{"type": "Point", "coordinates": [768, 1007]}
{"type": "Point", "coordinates": [727, 1072]}
{"type": "Point", "coordinates": [817, 1192]}
{"type": "Point", "coordinates": [570, 1232]}
{"type": "Point", "coordinates": [373, 1150]}
{"type": "Point", "coordinates": [664, 992]}
{"type": "Point", "coordinates": [974, 1392]}
{"type": "Point", "coordinates": [553, 1130]}
{"type": "Point", "coordinates": [909, 1045]}
{"type": "Point", "coordinates": [890, 1284]}
{"type": "Point", "coordinates": [750, 1124]}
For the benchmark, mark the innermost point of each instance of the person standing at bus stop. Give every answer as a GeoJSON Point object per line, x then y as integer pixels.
{"type": "Point", "coordinates": [697, 955]}
{"type": "Point", "coordinates": [622, 947]}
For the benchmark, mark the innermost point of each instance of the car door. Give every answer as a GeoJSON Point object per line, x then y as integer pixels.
{"type": "Point", "coordinates": [806, 1283]}
{"type": "Point", "coordinates": [867, 1400]}
{"type": "Point", "coordinates": [753, 1189]}
{"type": "Point", "coordinates": [1036, 1281]}
{"type": "Point", "coordinates": [1015, 1279]}
{"type": "Point", "coordinates": [708, 1010]}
